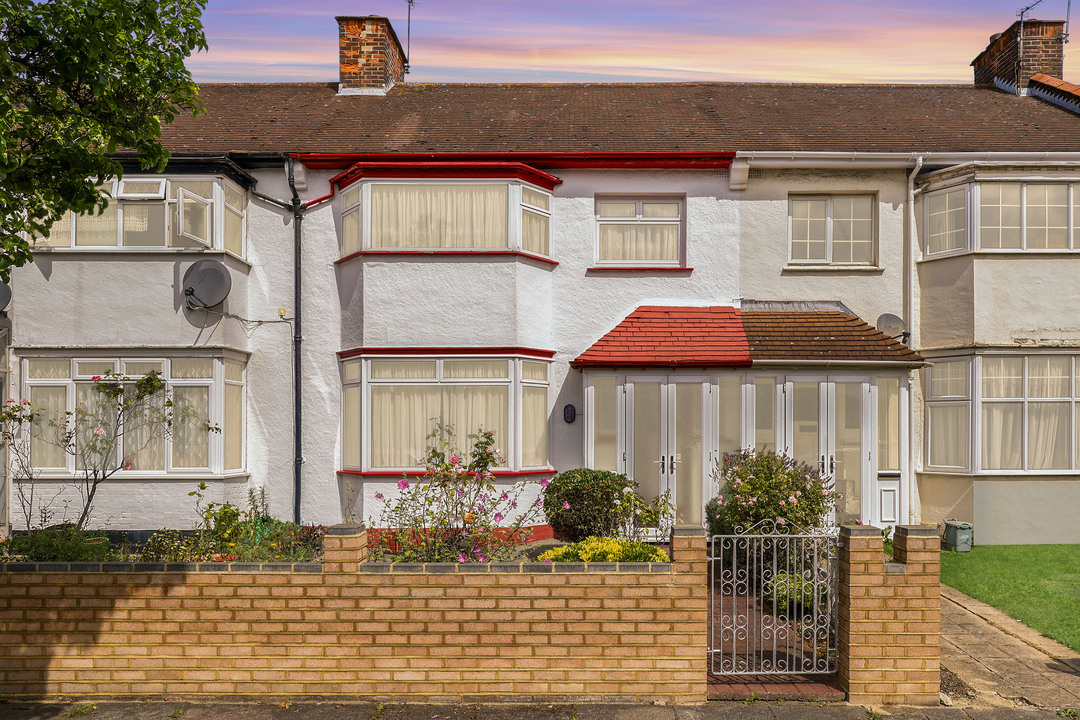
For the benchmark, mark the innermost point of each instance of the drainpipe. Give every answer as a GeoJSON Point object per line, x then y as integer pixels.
{"type": "Point", "coordinates": [298, 455]}
{"type": "Point", "coordinates": [909, 321]}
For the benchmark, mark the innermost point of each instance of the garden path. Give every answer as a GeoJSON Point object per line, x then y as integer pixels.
{"type": "Point", "coordinates": [1006, 662]}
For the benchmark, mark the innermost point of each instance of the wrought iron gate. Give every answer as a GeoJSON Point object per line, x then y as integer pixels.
{"type": "Point", "coordinates": [773, 601]}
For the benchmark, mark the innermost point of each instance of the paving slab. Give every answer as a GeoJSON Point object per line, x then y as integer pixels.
{"type": "Point", "coordinates": [1008, 664]}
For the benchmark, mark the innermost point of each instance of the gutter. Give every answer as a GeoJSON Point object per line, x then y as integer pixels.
{"type": "Point", "coordinates": [684, 160]}
{"type": "Point", "coordinates": [814, 159]}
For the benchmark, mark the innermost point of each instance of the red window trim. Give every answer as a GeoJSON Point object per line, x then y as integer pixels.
{"type": "Point", "coordinates": [436, 253]}
{"type": "Point", "coordinates": [588, 159]}
{"type": "Point", "coordinates": [421, 473]}
{"type": "Point", "coordinates": [643, 268]}
{"type": "Point", "coordinates": [439, 351]}
{"type": "Point", "coordinates": [479, 170]}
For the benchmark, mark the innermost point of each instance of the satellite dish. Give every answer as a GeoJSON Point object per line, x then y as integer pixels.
{"type": "Point", "coordinates": [5, 295]}
{"type": "Point", "coordinates": [206, 284]}
{"type": "Point", "coordinates": [892, 326]}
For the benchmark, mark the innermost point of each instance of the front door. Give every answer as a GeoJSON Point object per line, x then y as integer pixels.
{"type": "Point", "coordinates": [665, 438]}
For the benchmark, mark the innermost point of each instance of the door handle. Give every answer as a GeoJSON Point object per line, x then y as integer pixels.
{"type": "Point", "coordinates": [661, 461]}
{"type": "Point", "coordinates": [821, 465]}
{"type": "Point", "coordinates": [671, 464]}
{"type": "Point", "coordinates": [832, 464]}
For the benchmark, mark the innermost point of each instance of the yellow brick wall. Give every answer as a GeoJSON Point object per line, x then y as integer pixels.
{"type": "Point", "coordinates": [890, 616]}
{"type": "Point", "coordinates": [416, 636]}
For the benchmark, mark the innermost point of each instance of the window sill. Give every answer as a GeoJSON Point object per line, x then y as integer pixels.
{"type": "Point", "coordinates": [641, 268]}
{"type": "Point", "coordinates": [148, 252]}
{"type": "Point", "coordinates": [155, 475]}
{"type": "Point", "coordinates": [859, 269]}
{"type": "Point", "coordinates": [518, 254]}
{"type": "Point", "coordinates": [421, 473]}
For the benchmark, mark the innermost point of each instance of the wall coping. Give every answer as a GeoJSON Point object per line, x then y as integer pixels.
{"type": "Point", "coordinates": [917, 530]}
{"type": "Point", "coordinates": [520, 567]}
{"type": "Point", "coordinates": [143, 567]}
{"type": "Point", "coordinates": [317, 567]}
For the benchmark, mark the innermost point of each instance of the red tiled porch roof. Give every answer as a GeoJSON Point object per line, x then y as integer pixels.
{"type": "Point", "coordinates": [654, 336]}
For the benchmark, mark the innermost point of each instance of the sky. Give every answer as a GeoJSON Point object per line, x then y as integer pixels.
{"type": "Point", "coordinates": [624, 40]}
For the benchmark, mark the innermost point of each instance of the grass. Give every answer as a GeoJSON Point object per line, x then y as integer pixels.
{"type": "Point", "coordinates": [1036, 584]}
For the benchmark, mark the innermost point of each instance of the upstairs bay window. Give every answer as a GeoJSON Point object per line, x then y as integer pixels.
{"type": "Point", "coordinates": [400, 401]}
{"type": "Point", "coordinates": [156, 212]}
{"type": "Point", "coordinates": [1004, 216]}
{"type": "Point", "coordinates": [445, 216]}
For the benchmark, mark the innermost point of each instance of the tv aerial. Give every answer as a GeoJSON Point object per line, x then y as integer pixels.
{"type": "Point", "coordinates": [206, 284]}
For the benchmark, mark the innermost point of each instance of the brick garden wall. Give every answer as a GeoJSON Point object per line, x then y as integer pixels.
{"type": "Point", "coordinates": [890, 616]}
{"type": "Point", "coordinates": [438, 633]}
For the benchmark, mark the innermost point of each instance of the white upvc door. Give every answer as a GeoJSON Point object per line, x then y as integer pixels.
{"type": "Point", "coordinates": [828, 425]}
{"type": "Point", "coordinates": [668, 421]}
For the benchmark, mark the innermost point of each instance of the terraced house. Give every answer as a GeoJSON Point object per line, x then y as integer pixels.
{"type": "Point", "coordinates": [880, 279]}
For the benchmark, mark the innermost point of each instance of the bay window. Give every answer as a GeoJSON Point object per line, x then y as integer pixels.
{"type": "Point", "coordinates": [392, 405]}
{"type": "Point", "coordinates": [203, 390]}
{"type": "Point", "coordinates": [445, 215]}
{"type": "Point", "coordinates": [159, 212]}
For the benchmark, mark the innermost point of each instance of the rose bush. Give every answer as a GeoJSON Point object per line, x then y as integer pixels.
{"type": "Point", "coordinates": [583, 502]}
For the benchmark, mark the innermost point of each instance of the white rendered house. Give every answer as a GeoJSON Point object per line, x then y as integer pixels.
{"type": "Point", "coordinates": [631, 277]}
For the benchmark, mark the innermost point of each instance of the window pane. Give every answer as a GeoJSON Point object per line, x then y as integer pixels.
{"type": "Point", "coordinates": [191, 442]}
{"type": "Point", "coordinates": [471, 408]}
{"type": "Point", "coordinates": [234, 372]}
{"type": "Point", "coordinates": [138, 369]}
{"type": "Point", "coordinates": [847, 437]}
{"type": "Point", "coordinates": [535, 232]}
{"type": "Point", "coordinates": [350, 197]}
{"type": "Point", "coordinates": [616, 209]}
{"type": "Point", "coordinates": [475, 369]}
{"type": "Point", "coordinates": [195, 221]}
{"type": "Point", "coordinates": [144, 224]}
{"type": "Point", "coordinates": [235, 198]}
{"type": "Point", "coordinates": [948, 435]}
{"type": "Point", "coordinates": [97, 230]}
{"type": "Point", "coordinates": [888, 423]}
{"type": "Point", "coordinates": [99, 449]}
{"type": "Point", "coordinates": [949, 378]}
{"type": "Point", "coordinates": [403, 369]}
{"type": "Point", "coordinates": [1048, 376]}
{"type": "Point", "coordinates": [636, 243]}
{"type": "Point", "coordinates": [999, 215]}
{"type": "Point", "coordinates": [350, 232]}
{"type": "Point", "coordinates": [142, 187]}
{"type": "Point", "coordinates": [402, 416]}
{"type": "Point", "coordinates": [351, 427]}
{"type": "Point", "coordinates": [1047, 216]}
{"type": "Point", "coordinates": [947, 221]}
{"type": "Point", "coordinates": [535, 198]}
{"type": "Point", "coordinates": [1003, 377]}
{"type": "Point", "coordinates": [729, 424]}
{"type": "Point", "coordinates": [805, 422]}
{"type": "Point", "coordinates": [1002, 434]}
{"type": "Point", "coordinates": [46, 450]}
{"type": "Point", "coordinates": [94, 368]}
{"type": "Point", "coordinates": [765, 413]}
{"type": "Point", "coordinates": [534, 371]}
{"type": "Point", "coordinates": [1048, 436]}
{"type": "Point", "coordinates": [48, 369]}
{"type": "Point", "coordinates": [144, 438]}
{"type": "Point", "coordinates": [196, 213]}
{"type": "Point", "coordinates": [352, 371]}
{"type": "Point", "coordinates": [853, 240]}
{"type": "Point", "coordinates": [234, 233]}
{"type": "Point", "coordinates": [534, 424]}
{"type": "Point", "coordinates": [808, 229]}
{"type": "Point", "coordinates": [59, 234]}
{"type": "Point", "coordinates": [660, 209]}
{"type": "Point", "coordinates": [438, 216]}
{"type": "Point", "coordinates": [193, 368]}
{"type": "Point", "coordinates": [233, 429]}
{"type": "Point", "coordinates": [688, 451]}
{"type": "Point", "coordinates": [604, 423]}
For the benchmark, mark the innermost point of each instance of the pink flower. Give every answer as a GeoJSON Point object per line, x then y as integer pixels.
{"type": "Point", "coordinates": [99, 431]}
{"type": "Point", "coordinates": [781, 521]}
{"type": "Point", "coordinates": [24, 401]}
{"type": "Point", "coordinates": [462, 558]}
{"type": "Point", "coordinates": [379, 496]}
{"type": "Point", "coordinates": [498, 517]}
{"type": "Point", "coordinates": [783, 503]}
{"type": "Point", "coordinates": [798, 493]}
{"type": "Point", "coordinates": [565, 505]}
{"type": "Point", "coordinates": [839, 496]}
{"type": "Point", "coordinates": [539, 502]}
{"type": "Point", "coordinates": [544, 483]}
{"type": "Point", "coordinates": [96, 377]}
{"type": "Point", "coordinates": [453, 459]}
{"type": "Point", "coordinates": [403, 484]}
{"type": "Point", "coordinates": [10, 400]}
{"type": "Point", "coordinates": [547, 559]}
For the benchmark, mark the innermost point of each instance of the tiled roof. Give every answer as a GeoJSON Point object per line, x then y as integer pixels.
{"type": "Point", "coordinates": [820, 336]}
{"type": "Point", "coordinates": [654, 336]}
{"type": "Point", "coordinates": [642, 117]}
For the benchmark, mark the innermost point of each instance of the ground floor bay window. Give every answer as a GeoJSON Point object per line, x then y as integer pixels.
{"type": "Point", "coordinates": [669, 430]}
{"type": "Point", "coordinates": [392, 405]}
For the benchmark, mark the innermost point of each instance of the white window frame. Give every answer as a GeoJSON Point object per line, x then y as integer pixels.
{"type": "Point", "coordinates": [1072, 219]}
{"type": "Point", "coordinates": [216, 209]}
{"type": "Point", "coordinates": [216, 399]}
{"type": "Point", "coordinates": [514, 382]}
{"type": "Point", "coordinates": [828, 260]}
{"type": "Point", "coordinates": [965, 401]}
{"type": "Point", "coordinates": [639, 199]}
{"type": "Point", "coordinates": [515, 207]}
{"type": "Point", "coordinates": [970, 216]}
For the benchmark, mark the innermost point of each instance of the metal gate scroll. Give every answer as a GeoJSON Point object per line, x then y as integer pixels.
{"type": "Point", "coordinates": [773, 601]}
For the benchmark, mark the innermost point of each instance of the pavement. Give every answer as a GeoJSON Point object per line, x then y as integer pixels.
{"type": "Point", "coordinates": [1005, 662]}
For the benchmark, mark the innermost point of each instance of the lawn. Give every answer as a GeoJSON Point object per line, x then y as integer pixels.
{"type": "Point", "coordinates": [1036, 584]}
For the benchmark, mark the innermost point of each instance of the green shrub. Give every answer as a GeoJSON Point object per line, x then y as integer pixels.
{"type": "Point", "coordinates": [61, 543]}
{"type": "Point", "coordinates": [761, 485]}
{"type": "Point", "coordinates": [597, 549]}
{"type": "Point", "coordinates": [585, 503]}
{"type": "Point", "coordinates": [788, 589]}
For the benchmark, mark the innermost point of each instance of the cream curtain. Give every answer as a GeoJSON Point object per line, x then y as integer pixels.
{"type": "Point", "coordinates": [94, 415]}
{"type": "Point", "coordinates": [948, 435]}
{"type": "Point", "coordinates": [604, 423]}
{"type": "Point", "coordinates": [144, 224]}
{"type": "Point", "coordinates": [461, 369]}
{"type": "Point", "coordinates": [144, 445]}
{"type": "Point", "coordinates": [534, 425]}
{"type": "Point", "coordinates": [190, 442]}
{"type": "Point", "coordinates": [350, 456]}
{"type": "Point", "coordinates": [234, 426]}
{"type": "Point", "coordinates": [535, 232]}
{"type": "Point", "coordinates": [438, 216]}
{"type": "Point", "coordinates": [1048, 436]}
{"type": "Point", "coordinates": [97, 230]}
{"type": "Point", "coordinates": [639, 242]}
{"type": "Point", "coordinates": [44, 451]}
{"type": "Point", "coordinates": [402, 369]}
{"type": "Point", "coordinates": [888, 423]}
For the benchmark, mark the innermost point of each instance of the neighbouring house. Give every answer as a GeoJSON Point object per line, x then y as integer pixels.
{"type": "Point", "coordinates": [880, 279]}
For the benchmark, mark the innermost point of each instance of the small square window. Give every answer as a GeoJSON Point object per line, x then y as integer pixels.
{"type": "Point", "coordinates": [639, 231]}
{"type": "Point", "coordinates": [832, 229]}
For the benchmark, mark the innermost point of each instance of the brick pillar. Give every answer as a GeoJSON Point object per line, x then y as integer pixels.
{"type": "Point", "coordinates": [890, 617]}
{"type": "Point", "coordinates": [690, 564]}
{"type": "Point", "coordinates": [344, 548]}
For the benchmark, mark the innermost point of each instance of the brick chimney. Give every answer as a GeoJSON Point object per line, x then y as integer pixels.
{"type": "Point", "coordinates": [371, 59]}
{"type": "Point", "coordinates": [1009, 63]}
